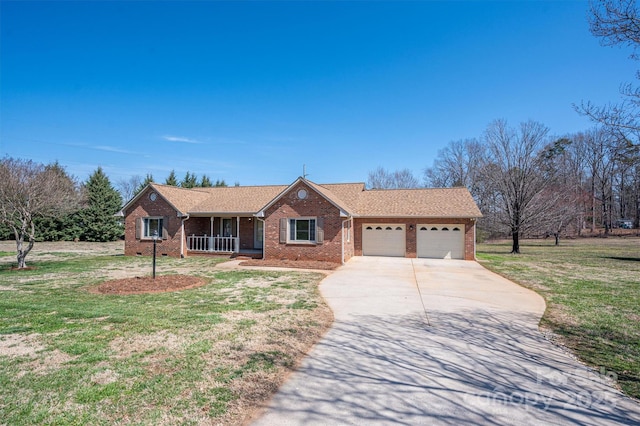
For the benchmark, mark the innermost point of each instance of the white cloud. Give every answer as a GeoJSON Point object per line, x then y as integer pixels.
{"type": "Point", "coordinates": [112, 149]}
{"type": "Point", "coordinates": [180, 139]}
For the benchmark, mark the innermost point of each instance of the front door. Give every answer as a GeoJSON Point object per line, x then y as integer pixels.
{"type": "Point", "coordinates": [258, 235]}
{"type": "Point", "coordinates": [227, 230]}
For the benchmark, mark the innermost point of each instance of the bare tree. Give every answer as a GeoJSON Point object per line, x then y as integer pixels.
{"type": "Point", "coordinates": [617, 23]}
{"type": "Point", "coordinates": [383, 179]}
{"type": "Point", "coordinates": [29, 190]}
{"type": "Point", "coordinates": [128, 187]}
{"type": "Point", "coordinates": [456, 165]}
{"type": "Point", "coordinates": [513, 168]}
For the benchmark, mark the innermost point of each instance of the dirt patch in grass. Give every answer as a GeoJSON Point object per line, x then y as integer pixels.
{"type": "Point", "coordinates": [297, 264]}
{"type": "Point", "coordinates": [143, 285]}
{"type": "Point", "coordinates": [20, 345]}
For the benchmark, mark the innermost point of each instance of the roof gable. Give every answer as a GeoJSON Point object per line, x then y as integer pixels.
{"type": "Point", "coordinates": [182, 199]}
{"type": "Point", "coordinates": [178, 198]}
{"type": "Point", "coordinates": [325, 193]}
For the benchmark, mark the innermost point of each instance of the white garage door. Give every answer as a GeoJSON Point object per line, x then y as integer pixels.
{"type": "Point", "coordinates": [383, 239]}
{"type": "Point", "coordinates": [441, 241]}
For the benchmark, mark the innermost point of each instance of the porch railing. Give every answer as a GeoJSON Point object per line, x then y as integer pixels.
{"type": "Point", "coordinates": [207, 244]}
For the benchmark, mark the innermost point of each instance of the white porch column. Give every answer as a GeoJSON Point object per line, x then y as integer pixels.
{"type": "Point", "coordinates": [211, 240]}
{"type": "Point", "coordinates": [237, 248]}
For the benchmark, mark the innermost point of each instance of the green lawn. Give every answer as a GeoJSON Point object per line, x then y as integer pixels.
{"type": "Point", "coordinates": [205, 355]}
{"type": "Point", "coordinates": [592, 290]}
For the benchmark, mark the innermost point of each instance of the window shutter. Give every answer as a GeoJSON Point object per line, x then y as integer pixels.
{"type": "Point", "coordinates": [319, 230]}
{"type": "Point", "coordinates": [165, 233]}
{"type": "Point", "coordinates": [283, 230]}
{"type": "Point", "coordinates": [138, 228]}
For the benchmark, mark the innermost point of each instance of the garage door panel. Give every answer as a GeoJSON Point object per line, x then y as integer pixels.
{"type": "Point", "coordinates": [383, 240]}
{"type": "Point", "coordinates": [440, 241]}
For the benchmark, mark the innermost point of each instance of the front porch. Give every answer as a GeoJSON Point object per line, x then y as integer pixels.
{"type": "Point", "coordinates": [210, 244]}
{"type": "Point", "coordinates": [224, 235]}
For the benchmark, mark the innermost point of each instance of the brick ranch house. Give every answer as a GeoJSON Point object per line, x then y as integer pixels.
{"type": "Point", "coordinates": [302, 221]}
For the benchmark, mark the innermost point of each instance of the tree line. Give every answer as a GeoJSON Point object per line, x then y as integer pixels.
{"type": "Point", "coordinates": [129, 188]}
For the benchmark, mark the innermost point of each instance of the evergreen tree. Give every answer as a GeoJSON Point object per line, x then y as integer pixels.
{"type": "Point", "coordinates": [220, 183]}
{"type": "Point", "coordinates": [147, 180]}
{"type": "Point", "coordinates": [172, 180]}
{"type": "Point", "coordinates": [63, 225]}
{"type": "Point", "coordinates": [103, 202]}
{"type": "Point", "coordinates": [189, 181]}
{"type": "Point", "coordinates": [60, 228]}
{"type": "Point", "coordinates": [205, 182]}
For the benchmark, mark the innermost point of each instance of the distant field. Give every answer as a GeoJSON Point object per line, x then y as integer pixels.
{"type": "Point", "coordinates": [592, 290]}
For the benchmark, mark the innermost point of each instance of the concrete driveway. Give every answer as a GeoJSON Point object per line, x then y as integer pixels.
{"type": "Point", "coordinates": [440, 342]}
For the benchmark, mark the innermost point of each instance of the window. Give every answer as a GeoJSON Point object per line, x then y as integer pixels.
{"type": "Point", "coordinates": [152, 226]}
{"type": "Point", "coordinates": [302, 230]}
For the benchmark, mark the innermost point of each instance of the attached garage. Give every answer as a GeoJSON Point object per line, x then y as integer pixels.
{"type": "Point", "coordinates": [379, 239]}
{"type": "Point", "coordinates": [440, 241]}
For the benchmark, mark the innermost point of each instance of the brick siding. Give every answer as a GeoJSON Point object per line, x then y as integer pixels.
{"type": "Point", "coordinates": [144, 207]}
{"type": "Point", "coordinates": [315, 205]}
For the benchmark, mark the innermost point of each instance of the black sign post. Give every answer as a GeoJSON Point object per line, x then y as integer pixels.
{"type": "Point", "coordinates": [155, 242]}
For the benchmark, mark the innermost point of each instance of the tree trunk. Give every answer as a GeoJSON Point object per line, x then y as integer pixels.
{"type": "Point", "coordinates": [515, 248]}
{"type": "Point", "coordinates": [22, 252]}
{"type": "Point", "coordinates": [593, 206]}
{"type": "Point", "coordinates": [557, 236]}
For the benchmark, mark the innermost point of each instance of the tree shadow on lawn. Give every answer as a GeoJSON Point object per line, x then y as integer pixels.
{"type": "Point", "coordinates": [625, 259]}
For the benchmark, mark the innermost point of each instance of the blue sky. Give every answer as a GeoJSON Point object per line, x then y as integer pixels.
{"type": "Point", "coordinates": [248, 92]}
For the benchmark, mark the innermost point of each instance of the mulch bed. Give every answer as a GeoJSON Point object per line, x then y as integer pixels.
{"type": "Point", "coordinates": [167, 283]}
{"type": "Point", "coordinates": [298, 264]}
{"type": "Point", "coordinates": [26, 268]}
{"type": "Point", "coordinates": [143, 285]}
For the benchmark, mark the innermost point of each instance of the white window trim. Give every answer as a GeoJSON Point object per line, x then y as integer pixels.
{"type": "Point", "coordinates": [315, 232]}
{"type": "Point", "coordinates": [145, 226]}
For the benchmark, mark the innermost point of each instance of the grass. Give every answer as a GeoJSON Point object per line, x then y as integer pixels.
{"type": "Point", "coordinates": [592, 290]}
{"type": "Point", "coordinates": [206, 355]}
